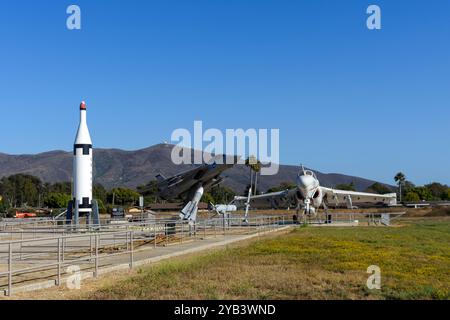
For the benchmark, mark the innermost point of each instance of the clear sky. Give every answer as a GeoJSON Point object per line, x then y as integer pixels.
{"type": "Point", "coordinates": [346, 99]}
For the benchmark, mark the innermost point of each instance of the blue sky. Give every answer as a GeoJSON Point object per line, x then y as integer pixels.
{"type": "Point", "coordinates": [346, 99]}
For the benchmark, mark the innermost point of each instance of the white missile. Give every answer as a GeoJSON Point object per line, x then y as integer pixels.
{"type": "Point", "coordinates": [82, 166]}
{"type": "Point", "coordinates": [189, 212]}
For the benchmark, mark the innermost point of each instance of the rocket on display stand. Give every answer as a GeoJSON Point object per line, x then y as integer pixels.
{"type": "Point", "coordinates": [82, 165]}
{"type": "Point", "coordinates": [82, 203]}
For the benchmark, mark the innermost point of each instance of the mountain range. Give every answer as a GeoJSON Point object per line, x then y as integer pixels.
{"type": "Point", "coordinates": [120, 168]}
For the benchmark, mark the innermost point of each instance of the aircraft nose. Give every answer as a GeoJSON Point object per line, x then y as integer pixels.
{"type": "Point", "coordinates": [306, 186]}
{"type": "Point", "coordinates": [304, 182]}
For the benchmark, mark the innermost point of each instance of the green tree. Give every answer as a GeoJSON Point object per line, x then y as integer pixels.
{"type": "Point", "coordinates": [56, 200]}
{"type": "Point", "coordinates": [207, 198]}
{"type": "Point", "coordinates": [424, 193]}
{"type": "Point", "coordinates": [3, 206]}
{"type": "Point", "coordinates": [222, 195]}
{"type": "Point", "coordinates": [99, 193]}
{"type": "Point", "coordinates": [123, 197]}
{"type": "Point", "coordinates": [412, 196]}
{"type": "Point", "coordinates": [437, 190]}
{"type": "Point", "coordinates": [21, 190]}
{"type": "Point", "coordinates": [101, 206]}
{"type": "Point", "coordinates": [150, 191]}
{"type": "Point", "coordinates": [59, 187]}
{"type": "Point", "coordinates": [446, 195]}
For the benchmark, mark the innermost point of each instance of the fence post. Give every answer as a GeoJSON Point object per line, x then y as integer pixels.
{"type": "Point", "coordinates": [21, 240]}
{"type": "Point", "coordinates": [166, 231]}
{"type": "Point", "coordinates": [204, 230]}
{"type": "Point", "coordinates": [96, 254]}
{"type": "Point", "coordinates": [90, 247]}
{"type": "Point", "coordinates": [132, 249]}
{"type": "Point", "coordinates": [58, 281]}
{"type": "Point", "coordinates": [182, 231]}
{"type": "Point", "coordinates": [154, 230]}
{"type": "Point", "coordinates": [10, 270]}
{"type": "Point", "coordinates": [63, 246]}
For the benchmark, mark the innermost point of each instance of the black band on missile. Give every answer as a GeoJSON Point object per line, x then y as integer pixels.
{"type": "Point", "coordinates": [85, 147]}
{"type": "Point", "coordinates": [84, 205]}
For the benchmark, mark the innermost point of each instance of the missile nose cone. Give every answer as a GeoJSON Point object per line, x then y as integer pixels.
{"type": "Point", "coordinates": [83, 105]}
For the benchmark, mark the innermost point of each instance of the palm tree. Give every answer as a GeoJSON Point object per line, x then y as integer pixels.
{"type": "Point", "coordinates": [249, 165]}
{"type": "Point", "coordinates": [255, 167]}
{"type": "Point", "coordinates": [400, 179]}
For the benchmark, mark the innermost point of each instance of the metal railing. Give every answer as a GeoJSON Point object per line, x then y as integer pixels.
{"type": "Point", "coordinates": [26, 260]}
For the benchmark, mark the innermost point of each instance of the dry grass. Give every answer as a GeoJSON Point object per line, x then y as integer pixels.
{"type": "Point", "coordinates": [308, 263]}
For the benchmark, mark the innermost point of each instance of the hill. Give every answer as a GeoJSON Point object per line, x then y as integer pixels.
{"type": "Point", "coordinates": [114, 168]}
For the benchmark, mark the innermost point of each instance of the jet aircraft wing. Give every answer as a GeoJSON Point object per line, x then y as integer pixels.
{"type": "Point", "coordinates": [332, 197]}
{"type": "Point", "coordinates": [273, 200]}
{"type": "Point", "coordinates": [338, 198]}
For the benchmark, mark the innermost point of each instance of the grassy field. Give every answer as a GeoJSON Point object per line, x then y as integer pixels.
{"type": "Point", "coordinates": [308, 263]}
